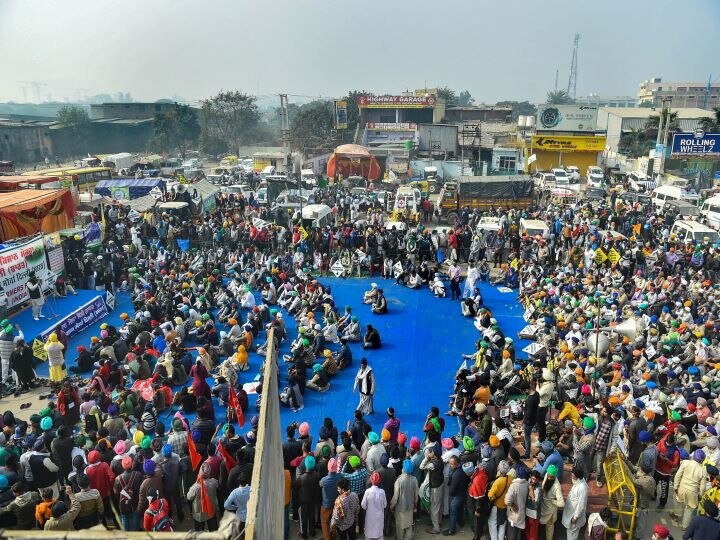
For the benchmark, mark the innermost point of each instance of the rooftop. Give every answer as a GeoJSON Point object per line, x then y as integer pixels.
{"type": "Point", "coordinates": [646, 112]}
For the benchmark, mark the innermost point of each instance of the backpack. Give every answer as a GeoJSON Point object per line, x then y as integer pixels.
{"type": "Point", "coordinates": [161, 521]}
{"type": "Point", "coordinates": [126, 494]}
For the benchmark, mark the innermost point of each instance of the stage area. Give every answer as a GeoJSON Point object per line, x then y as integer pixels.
{"type": "Point", "coordinates": [423, 339]}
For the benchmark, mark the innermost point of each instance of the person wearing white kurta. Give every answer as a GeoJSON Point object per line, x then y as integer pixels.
{"type": "Point", "coordinates": [374, 504]}
{"type": "Point", "coordinates": [574, 512]}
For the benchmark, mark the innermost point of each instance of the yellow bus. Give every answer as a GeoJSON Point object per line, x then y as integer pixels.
{"type": "Point", "coordinates": [82, 179]}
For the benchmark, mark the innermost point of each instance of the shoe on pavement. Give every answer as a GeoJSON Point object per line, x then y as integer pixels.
{"type": "Point", "coordinates": [430, 530]}
{"type": "Point", "coordinates": [36, 318]}
{"type": "Point", "coordinates": [42, 316]}
{"type": "Point", "coordinates": [448, 533]}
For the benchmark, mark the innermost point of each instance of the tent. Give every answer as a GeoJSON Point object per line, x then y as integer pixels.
{"type": "Point", "coordinates": [129, 188]}
{"type": "Point", "coordinates": [29, 211]}
{"type": "Point", "coordinates": [353, 159]}
{"type": "Point", "coordinates": [143, 204]}
{"type": "Point", "coordinates": [207, 191]}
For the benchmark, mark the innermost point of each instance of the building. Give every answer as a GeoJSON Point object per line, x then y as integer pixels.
{"type": "Point", "coordinates": [602, 101]}
{"type": "Point", "coordinates": [128, 111]}
{"type": "Point", "coordinates": [478, 113]}
{"type": "Point", "coordinates": [439, 139]}
{"type": "Point", "coordinates": [703, 95]}
{"type": "Point", "coordinates": [614, 121]}
{"type": "Point", "coordinates": [25, 141]}
{"type": "Point", "coordinates": [566, 135]}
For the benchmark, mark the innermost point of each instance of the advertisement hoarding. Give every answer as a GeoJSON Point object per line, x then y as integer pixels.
{"type": "Point", "coordinates": [566, 118]}
{"type": "Point", "coordinates": [341, 117]}
{"type": "Point", "coordinates": [696, 144]}
{"type": "Point", "coordinates": [568, 143]}
{"type": "Point", "coordinates": [396, 102]}
{"type": "Point", "coordinates": [392, 126]}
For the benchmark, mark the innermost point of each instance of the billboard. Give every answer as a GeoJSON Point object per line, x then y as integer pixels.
{"type": "Point", "coordinates": [392, 126]}
{"type": "Point", "coordinates": [16, 263]}
{"type": "Point", "coordinates": [698, 144]}
{"type": "Point", "coordinates": [341, 117]}
{"type": "Point", "coordinates": [396, 102]}
{"type": "Point", "coordinates": [566, 118]}
{"type": "Point", "coordinates": [568, 143]}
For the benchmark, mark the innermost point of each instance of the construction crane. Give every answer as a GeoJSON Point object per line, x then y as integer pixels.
{"type": "Point", "coordinates": [707, 92]}
{"type": "Point", "coordinates": [572, 80]}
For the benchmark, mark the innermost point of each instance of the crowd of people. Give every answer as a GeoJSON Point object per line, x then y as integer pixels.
{"type": "Point", "coordinates": [624, 365]}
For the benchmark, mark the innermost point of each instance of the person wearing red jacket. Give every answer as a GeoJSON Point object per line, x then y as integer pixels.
{"type": "Point", "coordinates": [478, 494]}
{"type": "Point", "coordinates": [101, 478]}
{"type": "Point", "coordinates": [68, 403]}
{"type": "Point", "coordinates": [668, 459]}
{"type": "Point", "coordinates": [156, 517]}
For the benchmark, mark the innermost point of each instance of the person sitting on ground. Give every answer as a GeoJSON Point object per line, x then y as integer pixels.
{"type": "Point", "coordinates": [352, 332]}
{"type": "Point", "coordinates": [379, 306]}
{"type": "Point", "coordinates": [414, 280]}
{"type": "Point", "coordinates": [372, 338]}
{"type": "Point", "coordinates": [437, 286]}
{"type": "Point", "coordinates": [369, 296]}
{"type": "Point", "coordinates": [320, 381]}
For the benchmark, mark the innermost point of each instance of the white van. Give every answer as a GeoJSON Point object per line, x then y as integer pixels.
{"type": "Point", "coordinates": [710, 211]}
{"type": "Point", "coordinates": [534, 227]}
{"type": "Point", "coordinates": [665, 193]}
{"type": "Point", "coordinates": [692, 230]}
{"type": "Point", "coordinates": [317, 216]}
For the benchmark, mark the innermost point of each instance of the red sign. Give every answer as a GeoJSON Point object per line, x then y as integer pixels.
{"type": "Point", "coordinates": [396, 102]}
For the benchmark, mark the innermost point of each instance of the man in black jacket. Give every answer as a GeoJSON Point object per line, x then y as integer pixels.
{"type": "Point", "coordinates": [530, 415]}
{"type": "Point", "coordinates": [457, 485]}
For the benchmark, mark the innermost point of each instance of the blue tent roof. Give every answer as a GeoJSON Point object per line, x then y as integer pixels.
{"type": "Point", "coordinates": [132, 182]}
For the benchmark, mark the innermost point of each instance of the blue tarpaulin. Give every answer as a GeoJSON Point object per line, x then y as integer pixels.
{"type": "Point", "coordinates": [128, 188]}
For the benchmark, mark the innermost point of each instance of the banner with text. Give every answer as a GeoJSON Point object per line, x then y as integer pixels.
{"type": "Point", "coordinates": [16, 263]}
{"type": "Point", "coordinates": [80, 319]}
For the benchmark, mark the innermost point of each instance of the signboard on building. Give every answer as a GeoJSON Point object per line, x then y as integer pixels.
{"type": "Point", "coordinates": [566, 118]}
{"type": "Point", "coordinates": [341, 117]}
{"type": "Point", "coordinates": [696, 144]}
{"type": "Point", "coordinates": [396, 102]}
{"type": "Point", "coordinates": [392, 126]}
{"type": "Point", "coordinates": [568, 143]}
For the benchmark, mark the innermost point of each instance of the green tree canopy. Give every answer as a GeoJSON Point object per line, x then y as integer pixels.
{"type": "Point", "coordinates": [231, 117]}
{"type": "Point", "coordinates": [77, 121]}
{"type": "Point", "coordinates": [711, 124]}
{"type": "Point", "coordinates": [175, 128]}
{"type": "Point", "coordinates": [559, 97]}
{"type": "Point", "coordinates": [312, 125]}
{"type": "Point", "coordinates": [519, 108]}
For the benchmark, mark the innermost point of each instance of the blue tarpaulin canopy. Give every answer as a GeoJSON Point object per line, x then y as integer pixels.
{"type": "Point", "coordinates": [128, 188]}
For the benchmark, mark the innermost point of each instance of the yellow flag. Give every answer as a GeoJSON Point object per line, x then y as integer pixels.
{"type": "Point", "coordinates": [39, 351]}
{"type": "Point", "coordinates": [600, 256]}
{"type": "Point", "coordinates": [303, 233]}
{"type": "Point", "coordinates": [613, 255]}
{"type": "Point", "coordinates": [514, 264]}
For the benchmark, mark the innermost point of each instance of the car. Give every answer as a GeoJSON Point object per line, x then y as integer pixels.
{"type": "Point", "coordinates": [595, 194]}
{"type": "Point", "coordinates": [574, 173]}
{"type": "Point", "coordinates": [261, 196]}
{"type": "Point", "coordinates": [242, 188]}
{"type": "Point", "coordinates": [632, 197]}
{"type": "Point", "coordinates": [692, 231]}
{"type": "Point", "coordinates": [561, 177]}
{"type": "Point", "coordinates": [544, 180]}
{"type": "Point", "coordinates": [682, 210]}
{"type": "Point", "coordinates": [595, 176]}
{"type": "Point", "coordinates": [193, 163]}
{"type": "Point", "coordinates": [488, 223]}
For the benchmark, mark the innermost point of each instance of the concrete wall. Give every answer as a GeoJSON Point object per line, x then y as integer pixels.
{"type": "Point", "coordinates": [25, 144]}
{"type": "Point", "coordinates": [265, 507]}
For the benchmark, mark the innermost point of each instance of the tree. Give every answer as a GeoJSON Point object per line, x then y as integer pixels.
{"type": "Point", "coordinates": [711, 124]}
{"type": "Point", "coordinates": [447, 95]}
{"type": "Point", "coordinates": [311, 125]}
{"type": "Point", "coordinates": [519, 108]}
{"type": "Point", "coordinates": [175, 128]}
{"type": "Point", "coordinates": [353, 111]}
{"type": "Point", "coordinates": [231, 116]}
{"type": "Point", "coordinates": [559, 97]}
{"type": "Point", "coordinates": [464, 99]}
{"type": "Point", "coordinates": [652, 124]}
{"type": "Point", "coordinates": [636, 143]}
{"type": "Point", "coordinates": [76, 120]}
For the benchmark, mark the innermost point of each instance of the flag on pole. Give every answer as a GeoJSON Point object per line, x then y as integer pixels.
{"type": "Point", "coordinates": [195, 457]}
{"type": "Point", "coordinates": [229, 461]}
{"type": "Point", "coordinates": [206, 505]}
{"type": "Point", "coordinates": [235, 404]}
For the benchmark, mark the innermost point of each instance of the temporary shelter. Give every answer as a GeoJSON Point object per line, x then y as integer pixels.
{"type": "Point", "coordinates": [28, 211]}
{"type": "Point", "coordinates": [353, 159]}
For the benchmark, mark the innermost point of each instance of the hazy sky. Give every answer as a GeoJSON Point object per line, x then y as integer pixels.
{"type": "Point", "coordinates": [505, 49]}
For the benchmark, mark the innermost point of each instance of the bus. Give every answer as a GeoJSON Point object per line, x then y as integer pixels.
{"type": "Point", "coordinates": [83, 179]}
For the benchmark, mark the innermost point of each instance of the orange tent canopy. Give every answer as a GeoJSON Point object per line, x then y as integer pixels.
{"type": "Point", "coordinates": [353, 159]}
{"type": "Point", "coordinates": [28, 211]}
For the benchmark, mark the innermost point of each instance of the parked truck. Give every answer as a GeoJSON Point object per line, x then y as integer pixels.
{"type": "Point", "coordinates": [483, 193]}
